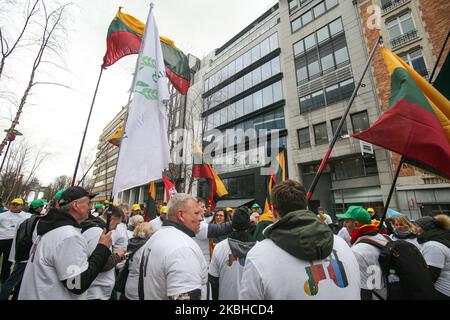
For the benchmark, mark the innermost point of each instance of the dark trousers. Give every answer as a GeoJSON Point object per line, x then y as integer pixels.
{"type": "Point", "coordinates": [13, 282]}
{"type": "Point", "coordinates": [5, 248]}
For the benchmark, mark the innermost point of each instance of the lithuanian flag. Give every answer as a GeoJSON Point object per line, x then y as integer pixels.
{"type": "Point", "coordinates": [278, 175]}
{"type": "Point", "coordinates": [417, 123]}
{"type": "Point", "coordinates": [125, 37]}
{"type": "Point", "coordinates": [115, 138]}
{"type": "Point", "coordinates": [151, 203]}
{"type": "Point", "coordinates": [201, 170]}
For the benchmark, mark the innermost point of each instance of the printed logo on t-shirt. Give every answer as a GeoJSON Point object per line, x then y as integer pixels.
{"type": "Point", "coordinates": [232, 259]}
{"type": "Point", "coordinates": [316, 273]}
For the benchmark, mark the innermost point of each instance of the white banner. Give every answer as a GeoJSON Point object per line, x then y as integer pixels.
{"type": "Point", "coordinates": [144, 150]}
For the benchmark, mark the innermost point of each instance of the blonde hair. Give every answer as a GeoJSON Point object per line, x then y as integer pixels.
{"type": "Point", "coordinates": [135, 220]}
{"type": "Point", "coordinates": [143, 230]}
{"type": "Point", "coordinates": [443, 221]}
{"type": "Point", "coordinates": [405, 221]}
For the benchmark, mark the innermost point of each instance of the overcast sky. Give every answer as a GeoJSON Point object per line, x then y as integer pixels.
{"type": "Point", "coordinates": [56, 120]}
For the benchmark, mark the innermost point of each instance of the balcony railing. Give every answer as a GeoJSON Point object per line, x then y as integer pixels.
{"type": "Point", "coordinates": [393, 4]}
{"type": "Point", "coordinates": [405, 38]}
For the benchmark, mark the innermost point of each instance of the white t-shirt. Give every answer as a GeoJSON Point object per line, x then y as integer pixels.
{"type": "Point", "coordinates": [132, 285]}
{"type": "Point", "coordinates": [9, 221]}
{"type": "Point", "coordinates": [130, 234]}
{"type": "Point", "coordinates": [343, 233]}
{"type": "Point", "coordinates": [208, 219]}
{"type": "Point", "coordinates": [228, 269]}
{"type": "Point", "coordinates": [371, 275]}
{"type": "Point", "coordinates": [174, 264]}
{"type": "Point", "coordinates": [120, 236]}
{"type": "Point", "coordinates": [101, 288]}
{"type": "Point", "coordinates": [438, 255]}
{"type": "Point", "coordinates": [156, 224]}
{"type": "Point", "coordinates": [202, 240]}
{"type": "Point", "coordinates": [410, 240]}
{"type": "Point", "coordinates": [56, 256]}
{"type": "Point", "coordinates": [271, 273]}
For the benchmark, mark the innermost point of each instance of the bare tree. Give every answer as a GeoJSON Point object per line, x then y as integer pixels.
{"type": "Point", "coordinates": [197, 126]}
{"type": "Point", "coordinates": [59, 183]}
{"type": "Point", "coordinates": [48, 44]}
{"type": "Point", "coordinates": [18, 178]}
{"type": "Point", "coordinates": [8, 45]}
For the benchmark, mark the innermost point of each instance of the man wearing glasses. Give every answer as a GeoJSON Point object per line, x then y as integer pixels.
{"type": "Point", "coordinates": [9, 220]}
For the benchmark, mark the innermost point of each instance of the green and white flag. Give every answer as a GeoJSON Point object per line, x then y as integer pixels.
{"type": "Point", "coordinates": [144, 150]}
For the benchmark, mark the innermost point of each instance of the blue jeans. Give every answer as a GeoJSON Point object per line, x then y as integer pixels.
{"type": "Point", "coordinates": [13, 282]}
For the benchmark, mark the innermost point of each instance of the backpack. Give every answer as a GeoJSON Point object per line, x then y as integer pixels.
{"type": "Point", "coordinates": [24, 238]}
{"type": "Point", "coordinates": [122, 277]}
{"type": "Point", "coordinates": [405, 271]}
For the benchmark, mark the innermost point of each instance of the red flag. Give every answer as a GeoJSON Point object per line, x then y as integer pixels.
{"type": "Point", "coordinates": [170, 188]}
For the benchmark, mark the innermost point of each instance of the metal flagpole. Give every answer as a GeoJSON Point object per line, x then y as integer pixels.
{"type": "Point", "coordinates": [439, 57]}
{"type": "Point", "coordinates": [6, 154]}
{"type": "Point", "coordinates": [90, 167]}
{"type": "Point", "coordinates": [341, 123]}
{"type": "Point", "coordinates": [87, 125]}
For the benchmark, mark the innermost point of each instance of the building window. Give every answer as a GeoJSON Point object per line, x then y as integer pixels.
{"type": "Point", "coordinates": [318, 54]}
{"type": "Point", "coordinates": [319, 9]}
{"type": "Point", "coordinates": [243, 186]}
{"type": "Point", "coordinates": [344, 131]}
{"type": "Point", "coordinates": [311, 14]}
{"type": "Point", "coordinates": [304, 140]}
{"type": "Point", "coordinates": [320, 133]}
{"type": "Point", "coordinates": [354, 168]}
{"type": "Point", "coordinates": [360, 121]}
{"type": "Point", "coordinates": [293, 4]}
{"type": "Point", "coordinates": [401, 29]}
{"type": "Point", "coordinates": [415, 59]}
{"type": "Point", "coordinates": [251, 56]}
{"type": "Point", "coordinates": [244, 83]}
{"type": "Point", "coordinates": [400, 25]}
{"type": "Point", "coordinates": [311, 102]}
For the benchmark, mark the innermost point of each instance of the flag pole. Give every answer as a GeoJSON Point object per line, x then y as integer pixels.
{"type": "Point", "coordinates": [86, 128]}
{"type": "Point", "coordinates": [4, 157]}
{"type": "Point", "coordinates": [341, 123]}
{"type": "Point", "coordinates": [439, 57]}
{"type": "Point", "coordinates": [90, 167]}
{"type": "Point", "coordinates": [128, 108]}
{"type": "Point", "coordinates": [391, 191]}
{"type": "Point", "coordinates": [403, 159]}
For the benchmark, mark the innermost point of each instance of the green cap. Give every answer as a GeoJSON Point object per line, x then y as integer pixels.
{"type": "Point", "coordinates": [356, 213]}
{"type": "Point", "coordinates": [256, 206]}
{"type": "Point", "coordinates": [58, 195]}
{"type": "Point", "coordinates": [99, 206]}
{"type": "Point", "coordinates": [37, 203]}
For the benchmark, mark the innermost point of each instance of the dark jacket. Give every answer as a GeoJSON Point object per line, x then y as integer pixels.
{"type": "Point", "coordinates": [301, 234]}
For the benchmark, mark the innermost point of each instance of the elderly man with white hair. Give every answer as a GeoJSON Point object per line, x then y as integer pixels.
{"type": "Point", "coordinates": [172, 265]}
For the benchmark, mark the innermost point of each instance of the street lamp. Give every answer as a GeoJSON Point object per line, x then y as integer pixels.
{"type": "Point", "coordinates": [11, 136]}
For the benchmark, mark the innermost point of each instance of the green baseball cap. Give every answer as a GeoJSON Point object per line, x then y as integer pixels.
{"type": "Point", "coordinates": [58, 195]}
{"type": "Point", "coordinates": [356, 213]}
{"type": "Point", "coordinates": [99, 206]}
{"type": "Point", "coordinates": [256, 206]}
{"type": "Point", "coordinates": [37, 203]}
